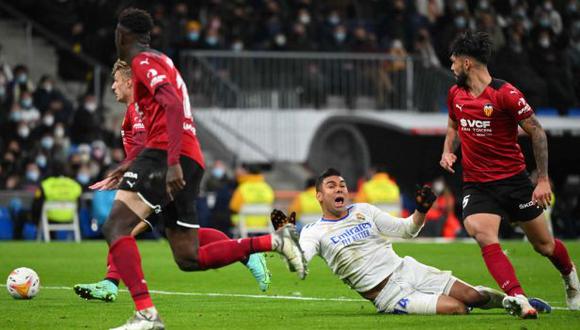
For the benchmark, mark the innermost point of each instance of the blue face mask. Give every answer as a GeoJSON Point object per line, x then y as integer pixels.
{"type": "Point", "coordinates": [26, 103]}
{"type": "Point", "coordinates": [47, 142]}
{"type": "Point", "coordinates": [218, 172]}
{"type": "Point", "coordinates": [83, 178]}
{"type": "Point", "coordinates": [340, 36]}
{"type": "Point", "coordinates": [193, 36]}
{"type": "Point", "coordinates": [22, 78]}
{"type": "Point", "coordinates": [460, 22]}
{"type": "Point", "coordinates": [212, 41]}
{"type": "Point", "coordinates": [2, 91]}
{"type": "Point", "coordinates": [41, 161]}
{"type": "Point", "coordinates": [32, 176]}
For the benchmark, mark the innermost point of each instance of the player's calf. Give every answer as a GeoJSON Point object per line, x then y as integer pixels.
{"type": "Point", "coordinates": [450, 306]}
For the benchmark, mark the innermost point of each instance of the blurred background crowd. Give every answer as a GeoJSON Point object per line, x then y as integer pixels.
{"type": "Point", "coordinates": [537, 48]}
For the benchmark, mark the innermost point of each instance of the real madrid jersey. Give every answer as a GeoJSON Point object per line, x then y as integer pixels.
{"type": "Point", "coordinates": [357, 247]}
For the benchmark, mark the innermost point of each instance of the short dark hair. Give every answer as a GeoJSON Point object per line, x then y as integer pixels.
{"type": "Point", "coordinates": [136, 20]}
{"type": "Point", "coordinates": [476, 45]}
{"type": "Point", "coordinates": [328, 172]}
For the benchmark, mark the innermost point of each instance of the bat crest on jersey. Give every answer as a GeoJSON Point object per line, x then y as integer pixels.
{"type": "Point", "coordinates": [488, 109]}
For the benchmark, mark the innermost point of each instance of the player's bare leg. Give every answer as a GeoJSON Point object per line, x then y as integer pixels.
{"type": "Point", "coordinates": [108, 288]}
{"type": "Point", "coordinates": [544, 243]}
{"type": "Point", "coordinates": [128, 210]}
{"type": "Point", "coordinates": [192, 257]}
{"type": "Point", "coordinates": [480, 296]}
{"type": "Point", "coordinates": [450, 306]}
{"type": "Point", "coordinates": [484, 228]}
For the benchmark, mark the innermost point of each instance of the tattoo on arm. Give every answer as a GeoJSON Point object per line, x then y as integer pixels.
{"type": "Point", "coordinates": [539, 143]}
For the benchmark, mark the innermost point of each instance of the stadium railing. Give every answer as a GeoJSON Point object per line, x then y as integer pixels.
{"type": "Point", "coordinates": [307, 80]}
{"type": "Point", "coordinates": [31, 27]}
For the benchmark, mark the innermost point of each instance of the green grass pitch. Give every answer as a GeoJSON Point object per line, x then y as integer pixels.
{"type": "Point", "coordinates": [229, 297]}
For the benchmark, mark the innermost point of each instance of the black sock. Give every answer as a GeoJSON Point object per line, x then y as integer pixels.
{"type": "Point", "coordinates": [112, 280]}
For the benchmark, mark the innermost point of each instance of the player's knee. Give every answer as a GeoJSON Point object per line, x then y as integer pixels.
{"type": "Point", "coordinates": [187, 265]}
{"type": "Point", "coordinates": [108, 231]}
{"type": "Point", "coordinates": [544, 248]}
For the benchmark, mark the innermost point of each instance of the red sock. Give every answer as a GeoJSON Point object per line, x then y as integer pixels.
{"type": "Point", "coordinates": [560, 258]}
{"type": "Point", "coordinates": [112, 271]}
{"type": "Point", "coordinates": [225, 252]}
{"type": "Point", "coordinates": [210, 235]}
{"type": "Point", "coordinates": [501, 269]}
{"type": "Point", "coordinates": [128, 261]}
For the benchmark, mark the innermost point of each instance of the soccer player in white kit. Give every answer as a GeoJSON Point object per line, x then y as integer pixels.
{"type": "Point", "coordinates": [354, 242]}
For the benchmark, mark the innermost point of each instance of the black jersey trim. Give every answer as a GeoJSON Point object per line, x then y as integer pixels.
{"type": "Point", "coordinates": [496, 83]}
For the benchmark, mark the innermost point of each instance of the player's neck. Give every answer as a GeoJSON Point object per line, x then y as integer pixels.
{"type": "Point", "coordinates": [135, 50]}
{"type": "Point", "coordinates": [329, 215]}
{"type": "Point", "coordinates": [479, 81]}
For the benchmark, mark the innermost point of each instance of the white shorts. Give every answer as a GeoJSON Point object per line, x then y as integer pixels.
{"type": "Point", "coordinates": [414, 289]}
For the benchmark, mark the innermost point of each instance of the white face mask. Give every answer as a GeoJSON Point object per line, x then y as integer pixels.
{"type": "Point", "coordinates": [23, 131]}
{"type": "Point", "coordinates": [59, 132]}
{"type": "Point", "coordinates": [305, 19]}
{"type": "Point", "coordinates": [48, 120]}
{"type": "Point", "coordinates": [91, 106]}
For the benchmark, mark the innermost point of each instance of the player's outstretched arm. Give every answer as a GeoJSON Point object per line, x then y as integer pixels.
{"type": "Point", "coordinates": [543, 192]}
{"type": "Point", "coordinates": [450, 145]}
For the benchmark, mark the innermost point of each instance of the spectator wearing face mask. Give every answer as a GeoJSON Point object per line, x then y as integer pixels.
{"type": "Point", "coordinates": [212, 40]}
{"type": "Point", "coordinates": [546, 17]}
{"type": "Point", "coordinates": [85, 123]}
{"type": "Point", "coordinates": [20, 83]}
{"type": "Point", "coordinates": [219, 188]}
{"type": "Point", "coordinates": [550, 62]}
{"type": "Point", "coordinates": [45, 93]}
{"type": "Point", "coordinates": [191, 39]}
{"type": "Point", "coordinates": [25, 106]}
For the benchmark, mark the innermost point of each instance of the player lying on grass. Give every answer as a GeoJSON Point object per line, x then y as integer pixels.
{"type": "Point", "coordinates": [354, 242]}
{"type": "Point", "coordinates": [133, 135]}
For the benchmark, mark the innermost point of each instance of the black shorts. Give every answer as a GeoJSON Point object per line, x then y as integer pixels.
{"type": "Point", "coordinates": [510, 198]}
{"type": "Point", "coordinates": [146, 176]}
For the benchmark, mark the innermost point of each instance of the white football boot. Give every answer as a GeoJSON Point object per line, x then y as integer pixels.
{"type": "Point", "coordinates": [572, 290]}
{"type": "Point", "coordinates": [285, 241]}
{"type": "Point", "coordinates": [142, 320]}
{"type": "Point", "coordinates": [518, 305]}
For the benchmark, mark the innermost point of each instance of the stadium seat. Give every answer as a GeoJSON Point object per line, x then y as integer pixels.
{"type": "Point", "coordinates": [546, 111]}
{"type": "Point", "coordinates": [46, 227]}
{"type": "Point", "coordinates": [254, 210]}
{"type": "Point", "coordinates": [574, 112]}
{"type": "Point", "coordinates": [6, 226]}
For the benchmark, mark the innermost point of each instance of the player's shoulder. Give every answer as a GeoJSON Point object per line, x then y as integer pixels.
{"type": "Point", "coordinates": [361, 207]}
{"type": "Point", "coordinates": [149, 57]}
{"type": "Point", "coordinates": [503, 86]}
{"type": "Point", "coordinates": [453, 91]}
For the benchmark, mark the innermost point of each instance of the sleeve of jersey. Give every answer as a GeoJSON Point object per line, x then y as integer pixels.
{"type": "Point", "coordinates": [167, 97]}
{"type": "Point", "coordinates": [393, 226]}
{"type": "Point", "coordinates": [515, 103]}
{"type": "Point", "coordinates": [450, 96]}
{"type": "Point", "coordinates": [309, 244]}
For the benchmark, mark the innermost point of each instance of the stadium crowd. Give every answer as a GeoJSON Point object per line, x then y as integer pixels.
{"type": "Point", "coordinates": [537, 42]}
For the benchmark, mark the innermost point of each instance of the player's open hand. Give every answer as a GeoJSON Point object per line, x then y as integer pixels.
{"type": "Point", "coordinates": [174, 179]}
{"type": "Point", "coordinates": [542, 195]}
{"type": "Point", "coordinates": [424, 197]}
{"type": "Point", "coordinates": [279, 219]}
{"type": "Point", "coordinates": [447, 161]}
{"type": "Point", "coordinates": [108, 183]}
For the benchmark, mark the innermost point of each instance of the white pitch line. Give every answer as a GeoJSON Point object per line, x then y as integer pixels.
{"type": "Point", "coordinates": [239, 295]}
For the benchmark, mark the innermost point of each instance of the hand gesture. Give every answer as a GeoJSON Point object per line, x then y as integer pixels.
{"type": "Point", "coordinates": [542, 195]}
{"type": "Point", "coordinates": [424, 197]}
{"type": "Point", "coordinates": [279, 219]}
{"type": "Point", "coordinates": [447, 161]}
{"type": "Point", "coordinates": [174, 179]}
